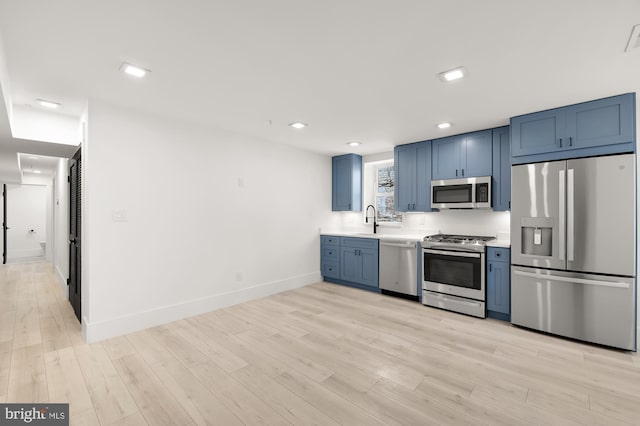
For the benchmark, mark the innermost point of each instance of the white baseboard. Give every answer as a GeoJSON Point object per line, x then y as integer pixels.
{"type": "Point", "coordinates": [63, 282]}
{"type": "Point", "coordinates": [101, 330]}
{"type": "Point", "coordinates": [18, 254]}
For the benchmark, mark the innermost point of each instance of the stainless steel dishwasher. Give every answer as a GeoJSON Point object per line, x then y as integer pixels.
{"type": "Point", "coordinates": [399, 266]}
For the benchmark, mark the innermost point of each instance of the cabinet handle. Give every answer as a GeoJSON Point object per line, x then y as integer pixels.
{"type": "Point", "coordinates": [408, 206]}
{"type": "Point", "coordinates": [570, 141]}
{"type": "Point", "coordinates": [462, 172]}
{"type": "Point", "coordinates": [456, 172]}
{"type": "Point", "coordinates": [560, 142]}
{"type": "Point", "coordinates": [490, 267]}
{"type": "Point", "coordinates": [349, 206]}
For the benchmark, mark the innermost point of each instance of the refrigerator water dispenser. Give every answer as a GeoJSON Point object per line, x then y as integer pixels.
{"type": "Point", "coordinates": [537, 236]}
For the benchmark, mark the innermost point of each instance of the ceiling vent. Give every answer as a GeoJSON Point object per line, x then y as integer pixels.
{"type": "Point", "coordinates": [634, 38]}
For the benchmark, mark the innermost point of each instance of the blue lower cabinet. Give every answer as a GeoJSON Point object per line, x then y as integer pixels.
{"type": "Point", "coordinates": [498, 283]}
{"type": "Point", "coordinates": [355, 266]}
{"type": "Point", "coordinates": [368, 267]}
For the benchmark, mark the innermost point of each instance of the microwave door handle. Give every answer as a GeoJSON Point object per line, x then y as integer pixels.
{"type": "Point", "coordinates": [570, 215]}
{"type": "Point", "coordinates": [561, 214]}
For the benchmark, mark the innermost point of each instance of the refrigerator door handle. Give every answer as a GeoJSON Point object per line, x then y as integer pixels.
{"type": "Point", "coordinates": [547, 277]}
{"type": "Point", "coordinates": [561, 215]}
{"type": "Point", "coordinates": [570, 215]}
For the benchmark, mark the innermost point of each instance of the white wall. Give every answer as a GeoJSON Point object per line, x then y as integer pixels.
{"type": "Point", "coordinates": [214, 218]}
{"type": "Point", "coordinates": [4, 81]}
{"type": "Point", "coordinates": [61, 223]}
{"type": "Point", "coordinates": [33, 124]}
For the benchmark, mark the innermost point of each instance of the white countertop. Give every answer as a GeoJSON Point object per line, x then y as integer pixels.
{"type": "Point", "coordinates": [499, 243]}
{"type": "Point", "coordinates": [502, 241]}
{"type": "Point", "coordinates": [397, 237]}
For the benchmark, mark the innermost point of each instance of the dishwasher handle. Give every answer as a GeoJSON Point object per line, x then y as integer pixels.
{"type": "Point", "coordinates": [401, 245]}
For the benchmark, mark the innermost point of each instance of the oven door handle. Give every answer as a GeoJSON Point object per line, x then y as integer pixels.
{"type": "Point", "coordinates": [453, 253]}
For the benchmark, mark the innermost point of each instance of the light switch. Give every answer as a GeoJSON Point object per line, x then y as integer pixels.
{"type": "Point", "coordinates": [120, 215]}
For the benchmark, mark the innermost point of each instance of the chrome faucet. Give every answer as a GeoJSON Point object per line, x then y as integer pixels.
{"type": "Point", "coordinates": [366, 217]}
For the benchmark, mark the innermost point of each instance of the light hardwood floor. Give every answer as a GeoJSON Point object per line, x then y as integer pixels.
{"type": "Point", "coordinates": [323, 354]}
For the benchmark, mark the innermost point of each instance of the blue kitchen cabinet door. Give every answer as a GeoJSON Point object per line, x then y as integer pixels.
{"type": "Point", "coordinates": [368, 263]}
{"type": "Point", "coordinates": [346, 183]}
{"type": "Point", "coordinates": [445, 160]}
{"type": "Point", "coordinates": [423, 177]}
{"type": "Point", "coordinates": [501, 169]}
{"type": "Point", "coordinates": [405, 172]}
{"type": "Point", "coordinates": [359, 266]}
{"type": "Point", "coordinates": [498, 284]}
{"type": "Point", "coordinates": [601, 127]}
{"type": "Point", "coordinates": [538, 133]}
{"type": "Point", "coordinates": [608, 121]}
{"type": "Point", "coordinates": [413, 177]}
{"type": "Point", "coordinates": [477, 154]}
{"type": "Point", "coordinates": [349, 264]}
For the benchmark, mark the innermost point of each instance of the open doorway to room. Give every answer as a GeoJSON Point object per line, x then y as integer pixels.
{"type": "Point", "coordinates": [26, 209]}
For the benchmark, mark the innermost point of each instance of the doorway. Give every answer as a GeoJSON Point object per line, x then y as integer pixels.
{"type": "Point", "coordinates": [24, 222]}
{"type": "Point", "coordinates": [75, 227]}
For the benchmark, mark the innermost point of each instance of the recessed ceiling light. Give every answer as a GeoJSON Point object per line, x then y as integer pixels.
{"type": "Point", "coordinates": [298, 125]}
{"type": "Point", "coordinates": [37, 171]}
{"type": "Point", "coordinates": [445, 125]}
{"type": "Point", "coordinates": [133, 70]}
{"type": "Point", "coordinates": [49, 104]}
{"type": "Point", "coordinates": [354, 143]}
{"type": "Point", "coordinates": [452, 75]}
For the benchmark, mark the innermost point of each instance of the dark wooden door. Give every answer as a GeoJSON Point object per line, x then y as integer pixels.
{"type": "Point", "coordinates": [75, 216]}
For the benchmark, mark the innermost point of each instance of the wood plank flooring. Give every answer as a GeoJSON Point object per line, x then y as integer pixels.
{"type": "Point", "coordinates": [323, 354]}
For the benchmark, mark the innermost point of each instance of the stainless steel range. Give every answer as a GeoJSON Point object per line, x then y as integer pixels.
{"type": "Point", "coordinates": [454, 273]}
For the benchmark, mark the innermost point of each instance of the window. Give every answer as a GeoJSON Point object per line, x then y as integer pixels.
{"type": "Point", "coordinates": [384, 181]}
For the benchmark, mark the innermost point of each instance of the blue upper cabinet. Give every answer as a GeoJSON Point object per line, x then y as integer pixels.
{"type": "Point", "coordinates": [413, 177]}
{"type": "Point", "coordinates": [501, 185]}
{"type": "Point", "coordinates": [607, 121]}
{"type": "Point", "coordinates": [538, 132]}
{"type": "Point", "coordinates": [477, 160]}
{"type": "Point", "coordinates": [347, 183]}
{"type": "Point", "coordinates": [423, 177]}
{"type": "Point", "coordinates": [600, 127]}
{"type": "Point", "coordinates": [405, 171]}
{"type": "Point", "coordinates": [460, 156]}
{"type": "Point", "coordinates": [446, 153]}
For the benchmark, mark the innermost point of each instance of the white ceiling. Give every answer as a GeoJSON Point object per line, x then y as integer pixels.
{"type": "Point", "coordinates": [30, 163]}
{"type": "Point", "coordinates": [353, 69]}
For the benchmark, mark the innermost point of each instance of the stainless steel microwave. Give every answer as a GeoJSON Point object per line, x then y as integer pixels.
{"type": "Point", "coordinates": [465, 193]}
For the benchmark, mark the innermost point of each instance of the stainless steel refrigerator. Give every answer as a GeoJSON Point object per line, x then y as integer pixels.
{"type": "Point", "coordinates": [573, 254]}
